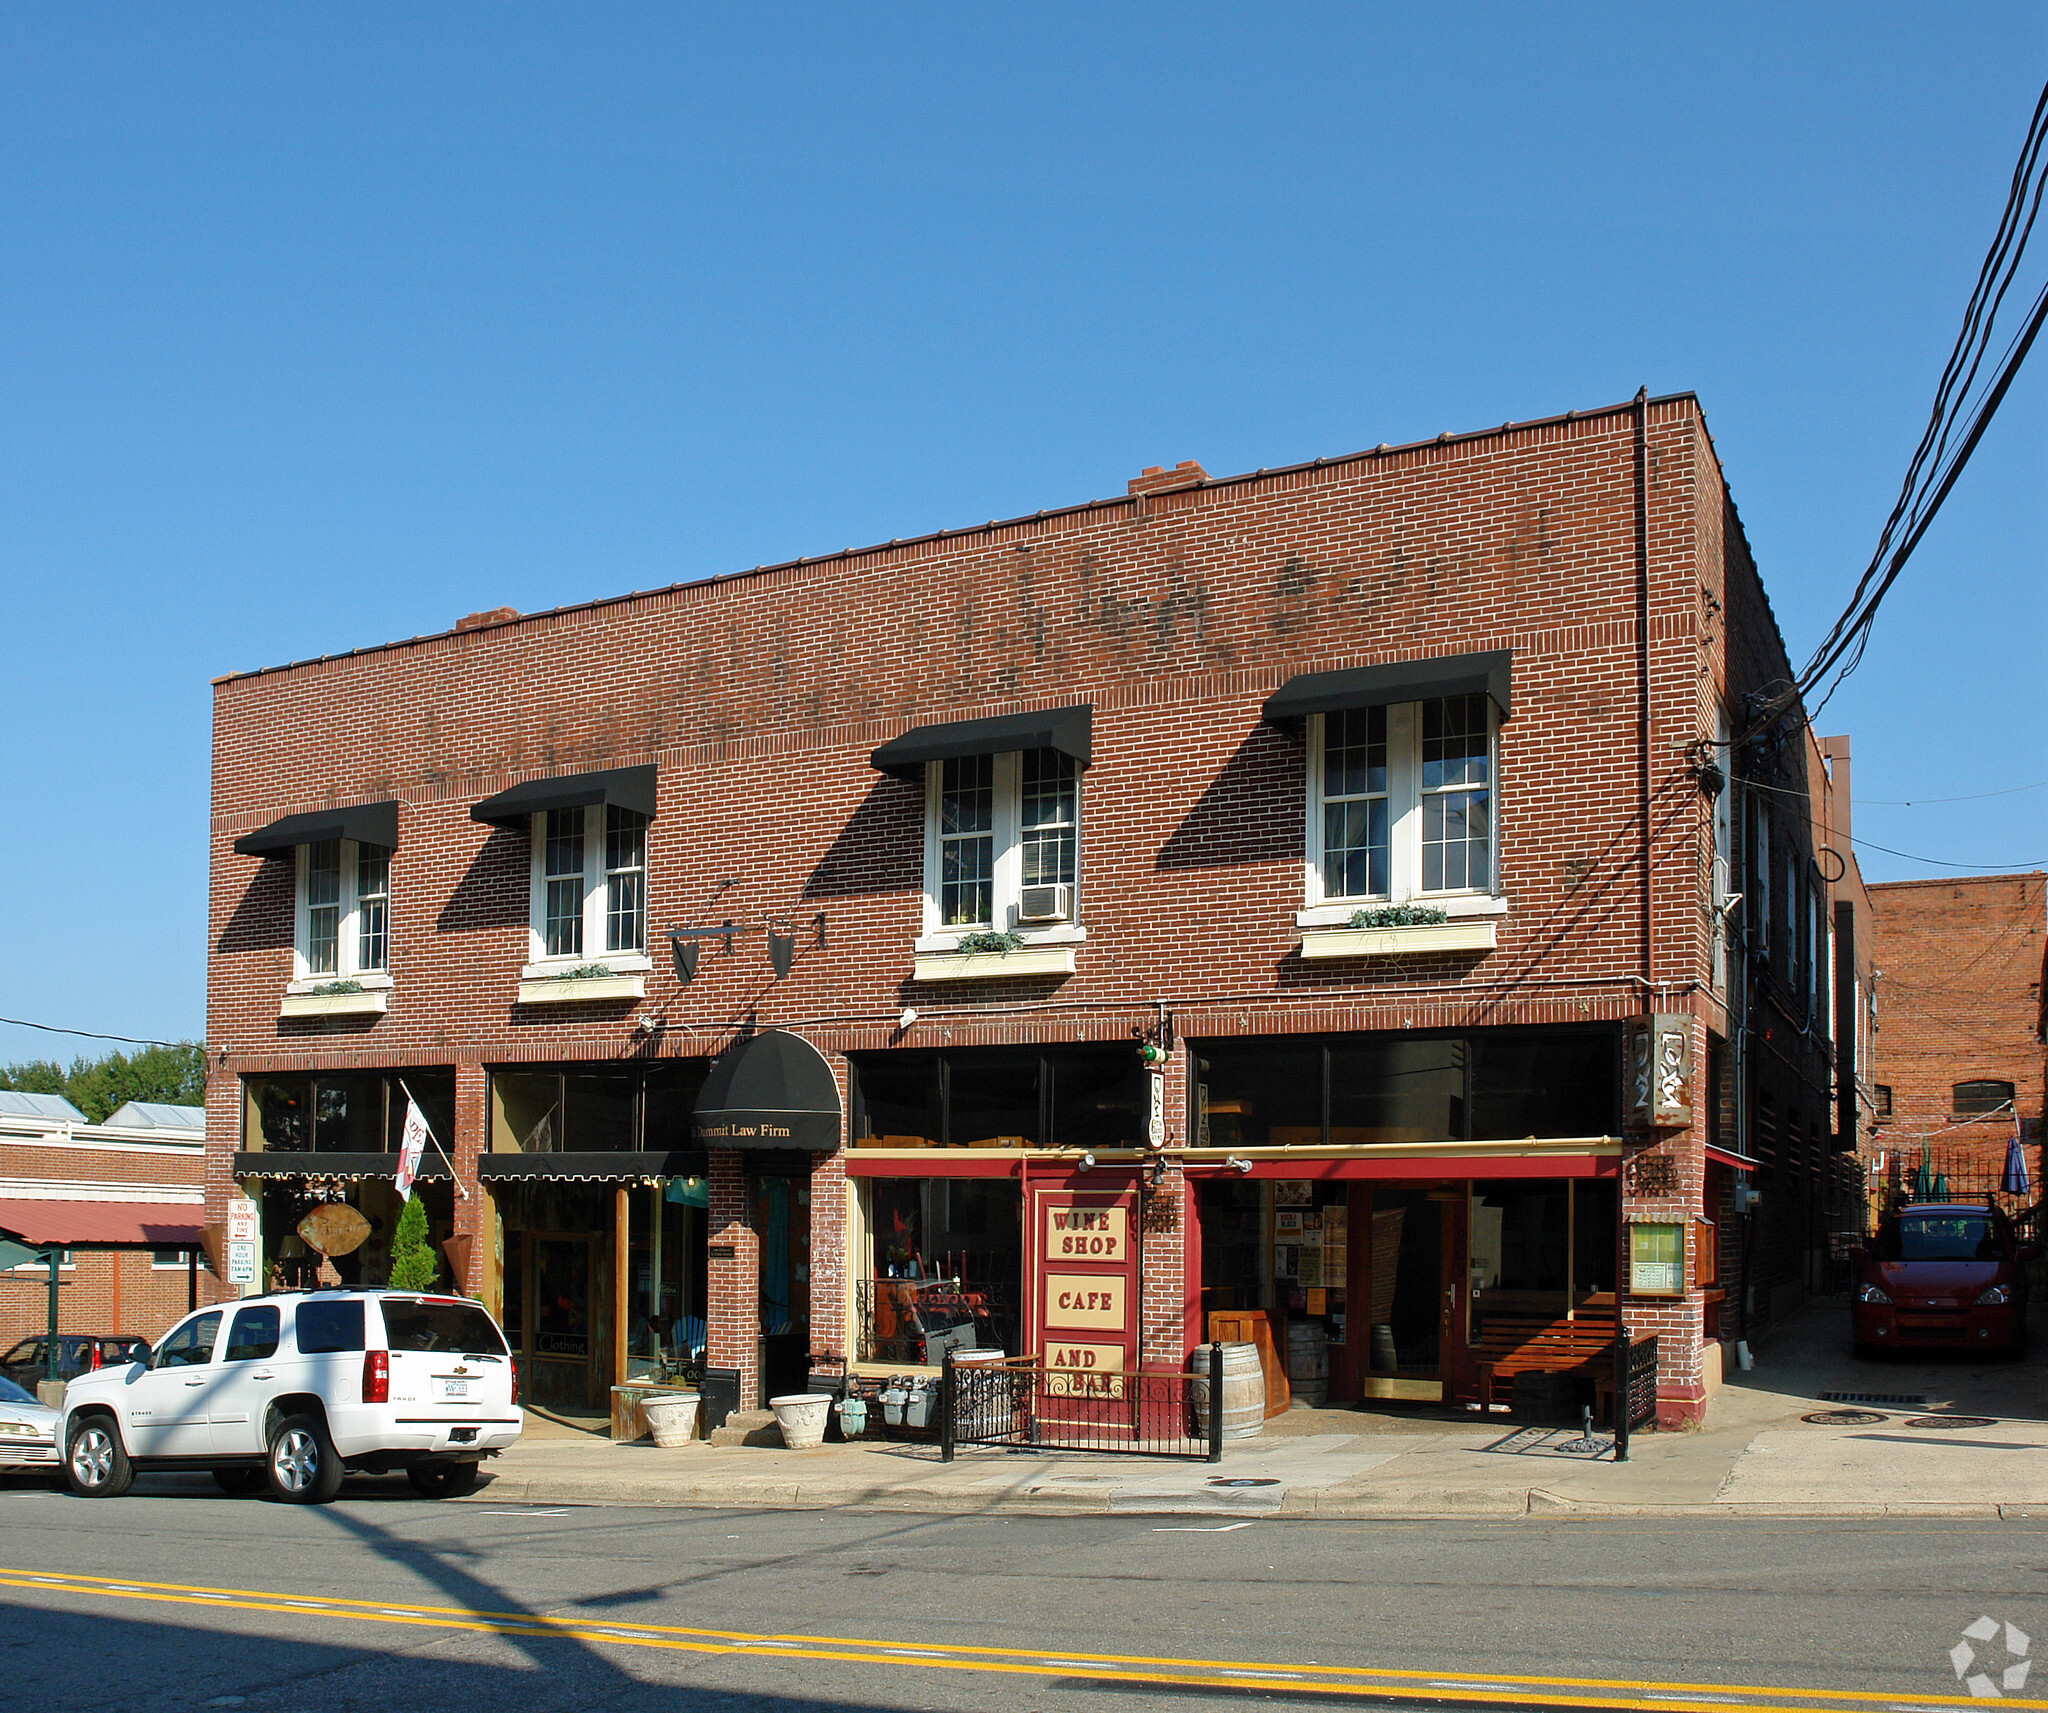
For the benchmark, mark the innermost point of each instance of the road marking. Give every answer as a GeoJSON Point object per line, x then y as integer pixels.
{"type": "Point", "coordinates": [1190, 1529]}
{"type": "Point", "coordinates": [1365, 1681]}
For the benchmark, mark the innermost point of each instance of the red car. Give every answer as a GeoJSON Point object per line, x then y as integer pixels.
{"type": "Point", "coordinates": [1941, 1275]}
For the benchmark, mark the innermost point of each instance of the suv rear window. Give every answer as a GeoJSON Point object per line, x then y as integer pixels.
{"type": "Point", "coordinates": [459, 1327]}
{"type": "Point", "coordinates": [327, 1327]}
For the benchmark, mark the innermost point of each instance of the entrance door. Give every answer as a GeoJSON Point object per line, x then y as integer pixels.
{"type": "Point", "coordinates": [555, 1278]}
{"type": "Point", "coordinates": [1414, 1299]}
{"type": "Point", "coordinates": [1085, 1301]}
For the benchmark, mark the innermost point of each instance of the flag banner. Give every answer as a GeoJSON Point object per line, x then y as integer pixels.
{"type": "Point", "coordinates": [410, 1145]}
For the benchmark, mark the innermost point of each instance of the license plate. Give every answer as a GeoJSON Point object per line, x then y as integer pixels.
{"type": "Point", "coordinates": [454, 1388]}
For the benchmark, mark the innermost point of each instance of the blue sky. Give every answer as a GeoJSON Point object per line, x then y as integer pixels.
{"type": "Point", "coordinates": [323, 326]}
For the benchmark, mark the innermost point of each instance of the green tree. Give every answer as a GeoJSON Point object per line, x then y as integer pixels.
{"type": "Point", "coordinates": [413, 1267]}
{"type": "Point", "coordinates": [175, 1076]}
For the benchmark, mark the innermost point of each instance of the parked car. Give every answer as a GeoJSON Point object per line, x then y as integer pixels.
{"type": "Point", "coordinates": [28, 1430]}
{"type": "Point", "coordinates": [294, 1390]}
{"type": "Point", "coordinates": [1941, 1275]}
{"type": "Point", "coordinates": [77, 1353]}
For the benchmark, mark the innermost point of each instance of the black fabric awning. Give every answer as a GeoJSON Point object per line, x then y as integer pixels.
{"type": "Point", "coordinates": [1068, 730]}
{"type": "Point", "coordinates": [628, 787]}
{"type": "Point", "coordinates": [366, 823]}
{"type": "Point", "coordinates": [1488, 674]}
{"type": "Point", "coordinates": [277, 1163]}
{"type": "Point", "coordinates": [772, 1090]}
{"type": "Point", "coordinates": [620, 1167]}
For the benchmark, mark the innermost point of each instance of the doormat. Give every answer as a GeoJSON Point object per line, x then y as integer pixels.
{"type": "Point", "coordinates": [1950, 1421]}
{"type": "Point", "coordinates": [1844, 1418]}
{"type": "Point", "coordinates": [1567, 1443]}
{"type": "Point", "coordinates": [1897, 1400]}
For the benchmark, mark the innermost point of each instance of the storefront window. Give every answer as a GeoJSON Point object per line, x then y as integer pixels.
{"type": "Point", "coordinates": [992, 1099]}
{"type": "Point", "coordinates": [1396, 1089]}
{"type": "Point", "coordinates": [344, 1113]}
{"type": "Point", "coordinates": [1259, 1094]}
{"type": "Point", "coordinates": [608, 1111]}
{"type": "Point", "coordinates": [944, 1268]}
{"type": "Point", "coordinates": [999, 1097]}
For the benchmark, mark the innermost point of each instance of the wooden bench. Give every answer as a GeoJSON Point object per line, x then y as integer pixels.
{"type": "Point", "coordinates": [1511, 1344]}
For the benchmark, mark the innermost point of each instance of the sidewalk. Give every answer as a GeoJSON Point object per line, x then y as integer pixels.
{"type": "Point", "coordinates": [1754, 1457]}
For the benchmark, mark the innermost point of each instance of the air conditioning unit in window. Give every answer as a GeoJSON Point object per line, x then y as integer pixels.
{"type": "Point", "coordinates": [1045, 903]}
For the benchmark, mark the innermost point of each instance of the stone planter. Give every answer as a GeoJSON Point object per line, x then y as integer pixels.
{"type": "Point", "coordinates": [671, 1416]}
{"type": "Point", "coordinates": [801, 1416]}
{"type": "Point", "coordinates": [1473, 935]}
{"type": "Point", "coordinates": [986, 966]}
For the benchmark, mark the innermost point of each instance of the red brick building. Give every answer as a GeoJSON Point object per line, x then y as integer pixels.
{"type": "Point", "coordinates": [1962, 1066]}
{"type": "Point", "coordinates": [124, 1201]}
{"type": "Point", "coordinates": [780, 956]}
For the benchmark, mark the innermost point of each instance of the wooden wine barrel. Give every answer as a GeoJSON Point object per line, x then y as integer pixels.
{"type": "Point", "coordinates": [1244, 1390]}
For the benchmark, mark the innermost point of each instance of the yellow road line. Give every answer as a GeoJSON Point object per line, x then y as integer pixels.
{"type": "Point", "coordinates": [1354, 1681]}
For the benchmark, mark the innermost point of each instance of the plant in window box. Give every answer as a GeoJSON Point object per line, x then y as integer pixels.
{"type": "Point", "coordinates": [986, 941]}
{"type": "Point", "coordinates": [1400, 916]}
{"type": "Point", "coordinates": [588, 972]}
{"type": "Point", "coordinates": [328, 987]}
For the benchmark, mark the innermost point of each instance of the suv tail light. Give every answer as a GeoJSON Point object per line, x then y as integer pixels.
{"type": "Point", "coordinates": [376, 1376]}
{"type": "Point", "coordinates": [515, 1379]}
{"type": "Point", "coordinates": [96, 1348]}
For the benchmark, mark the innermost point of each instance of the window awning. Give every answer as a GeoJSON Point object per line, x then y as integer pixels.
{"type": "Point", "coordinates": [289, 1163]}
{"type": "Point", "coordinates": [93, 1224]}
{"type": "Point", "coordinates": [1068, 730]}
{"type": "Point", "coordinates": [772, 1090]}
{"type": "Point", "coordinates": [628, 1167]}
{"type": "Point", "coordinates": [627, 787]}
{"type": "Point", "coordinates": [1486, 674]}
{"type": "Point", "coordinates": [366, 823]}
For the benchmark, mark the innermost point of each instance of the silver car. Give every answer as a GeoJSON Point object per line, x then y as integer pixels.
{"type": "Point", "coordinates": [28, 1430]}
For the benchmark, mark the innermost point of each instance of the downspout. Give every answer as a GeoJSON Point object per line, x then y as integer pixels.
{"type": "Point", "coordinates": [1642, 476]}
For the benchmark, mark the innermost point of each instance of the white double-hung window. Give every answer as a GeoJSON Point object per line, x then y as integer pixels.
{"type": "Point", "coordinates": [589, 888]}
{"type": "Point", "coordinates": [1002, 846]}
{"type": "Point", "coordinates": [1402, 804]}
{"type": "Point", "coordinates": [344, 910]}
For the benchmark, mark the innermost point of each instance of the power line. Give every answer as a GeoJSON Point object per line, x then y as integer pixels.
{"type": "Point", "coordinates": [1924, 802]}
{"type": "Point", "coordinates": [94, 1034]}
{"type": "Point", "coordinates": [1939, 862]}
{"type": "Point", "coordinates": [1934, 468]}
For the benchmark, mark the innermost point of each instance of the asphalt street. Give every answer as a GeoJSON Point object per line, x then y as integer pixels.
{"type": "Point", "coordinates": [177, 1597]}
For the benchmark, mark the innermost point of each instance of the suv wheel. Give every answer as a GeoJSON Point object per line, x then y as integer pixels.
{"type": "Point", "coordinates": [302, 1466]}
{"type": "Point", "coordinates": [442, 1480]}
{"type": "Point", "coordinates": [95, 1461]}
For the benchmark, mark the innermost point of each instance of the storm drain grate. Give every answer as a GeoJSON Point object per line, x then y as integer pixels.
{"type": "Point", "coordinates": [1897, 1400]}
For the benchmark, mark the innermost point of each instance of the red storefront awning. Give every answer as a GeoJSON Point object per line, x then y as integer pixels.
{"type": "Point", "coordinates": [69, 1224]}
{"type": "Point", "coordinates": [1732, 1160]}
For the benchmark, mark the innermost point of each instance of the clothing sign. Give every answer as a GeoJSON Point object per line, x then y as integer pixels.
{"type": "Point", "coordinates": [410, 1145]}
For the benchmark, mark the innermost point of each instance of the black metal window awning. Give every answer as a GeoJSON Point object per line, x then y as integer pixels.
{"type": "Point", "coordinates": [1068, 730]}
{"type": "Point", "coordinates": [1489, 674]}
{"type": "Point", "coordinates": [366, 823]}
{"type": "Point", "coordinates": [627, 787]}
{"type": "Point", "coordinates": [624, 1166]}
{"type": "Point", "coordinates": [278, 1163]}
{"type": "Point", "coordinates": [772, 1090]}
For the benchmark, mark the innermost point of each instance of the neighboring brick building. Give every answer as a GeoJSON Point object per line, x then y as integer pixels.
{"type": "Point", "coordinates": [126, 1200]}
{"type": "Point", "coordinates": [1146, 757]}
{"type": "Point", "coordinates": [1961, 1062]}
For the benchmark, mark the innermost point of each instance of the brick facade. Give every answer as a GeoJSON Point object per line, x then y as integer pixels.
{"type": "Point", "coordinates": [1959, 1000]}
{"type": "Point", "coordinates": [1600, 548]}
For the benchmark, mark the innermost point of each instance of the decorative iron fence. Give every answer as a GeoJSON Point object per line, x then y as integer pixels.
{"type": "Point", "coordinates": [1635, 1403]}
{"type": "Point", "coordinates": [915, 1322]}
{"type": "Point", "coordinates": [1142, 1413]}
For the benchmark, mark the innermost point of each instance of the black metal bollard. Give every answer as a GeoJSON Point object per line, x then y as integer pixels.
{"type": "Point", "coordinates": [1624, 1405]}
{"type": "Point", "coordinates": [1215, 1403]}
{"type": "Point", "coordinates": [947, 1400]}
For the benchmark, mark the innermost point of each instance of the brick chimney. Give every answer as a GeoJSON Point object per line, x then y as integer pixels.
{"type": "Point", "coordinates": [1153, 480]}
{"type": "Point", "coordinates": [477, 621]}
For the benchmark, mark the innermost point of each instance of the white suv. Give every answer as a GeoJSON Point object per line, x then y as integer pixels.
{"type": "Point", "coordinates": [297, 1389]}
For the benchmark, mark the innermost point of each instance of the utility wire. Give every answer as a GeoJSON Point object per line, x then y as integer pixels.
{"type": "Point", "coordinates": [1980, 867]}
{"type": "Point", "coordinates": [1923, 802]}
{"type": "Point", "coordinates": [1953, 420]}
{"type": "Point", "coordinates": [94, 1034]}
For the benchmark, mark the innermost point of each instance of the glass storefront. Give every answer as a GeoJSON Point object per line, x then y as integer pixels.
{"type": "Point", "coordinates": [343, 1112]}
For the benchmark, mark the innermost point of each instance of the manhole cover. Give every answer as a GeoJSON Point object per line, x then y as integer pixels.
{"type": "Point", "coordinates": [1898, 1400]}
{"type": "Point", "coordinates": [1951, 1421]}
{"type": "Point", "coordinates": [1244, 1481]}
{"type": "Point", "coordinates": [1844, 1418]}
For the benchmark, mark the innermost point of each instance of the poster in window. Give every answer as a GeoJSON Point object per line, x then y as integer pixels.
{"type": "Point", "coordinates": [1294, 1192]}
{"type": "Point", "coordinates": [1656, 1260]}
